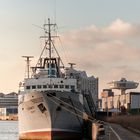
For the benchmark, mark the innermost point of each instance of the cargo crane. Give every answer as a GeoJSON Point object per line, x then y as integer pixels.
{"type": "Point", "coordinates": [123, 85]}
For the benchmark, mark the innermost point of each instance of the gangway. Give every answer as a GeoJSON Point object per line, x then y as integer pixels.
{"type": "Point", "coordinates": [90, 103]}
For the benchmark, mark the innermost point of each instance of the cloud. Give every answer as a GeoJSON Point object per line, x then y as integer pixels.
{"type": "Point", "coordinates": [105, 52]}
{"type": "Point", "coordinates": [118, 29]}
{"type": "Point", "coordinates": [110, 52]}
{"type": "Point", "coordinates": [121, 29]}
{"type": "Point", "coordinates": [96, 43]}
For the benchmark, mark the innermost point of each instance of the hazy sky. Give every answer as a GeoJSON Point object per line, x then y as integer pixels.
{"type": "Point", "coordinates": [100, 36]}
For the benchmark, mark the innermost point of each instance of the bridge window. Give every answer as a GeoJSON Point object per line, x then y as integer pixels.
{"type": "Point", "coordinates": [27, 87]}
{"type": "Point", "coordinates": [55, 86]}
{"type": "Point", "coordinates": [44, 86]}
{"type": "Point", "coordinates": [39, 86]}
{"type": "Point", "coordinates": [67, 86]}
{"type": "Point", "coordinates": [49, 86]}
{"type": "Point", "coordinates": [33, 87]}
{"type": "Point", "coordinates": [61, 86]}
{"type": "Point", "coordinates": [53, 72]}
{"type": "Point", "coordinates": [72, 87]}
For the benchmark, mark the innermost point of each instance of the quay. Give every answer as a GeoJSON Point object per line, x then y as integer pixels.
{"type": "Point", "coordinates": [9, 118]}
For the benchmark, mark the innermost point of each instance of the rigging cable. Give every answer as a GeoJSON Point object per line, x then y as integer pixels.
{"type": "Point", "coordinates": [64, 48]}
{"type": "Point", "coordinates": [81, 116]}
{"type": "Point", "coordinates": [92, 119]}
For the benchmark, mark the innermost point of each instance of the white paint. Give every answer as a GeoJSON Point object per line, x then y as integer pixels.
{"type": "Point", "coordinates": [118, 137]}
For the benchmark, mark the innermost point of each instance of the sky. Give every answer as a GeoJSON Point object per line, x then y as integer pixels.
{"type": "Point", "coordinates": [101, 36]}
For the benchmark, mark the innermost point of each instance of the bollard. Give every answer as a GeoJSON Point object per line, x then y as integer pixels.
{"type": "Point", "coordinates": [101, 130]}
{"type": "Point", "coordinates": [94, 131]}
{"type": "Point", "coordinates": [97, 130]}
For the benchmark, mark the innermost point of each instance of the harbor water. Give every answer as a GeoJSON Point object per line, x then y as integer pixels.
{"type": "Point", "coordinates": [8, 130]}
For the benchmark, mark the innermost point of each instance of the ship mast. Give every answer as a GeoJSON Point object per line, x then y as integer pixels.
{"type": "Point", "coordinates": [49, 62]}
{"type": "Point", "coordinates": [28, 64]}
{"type": "Point", "coordinates": [49, 37]}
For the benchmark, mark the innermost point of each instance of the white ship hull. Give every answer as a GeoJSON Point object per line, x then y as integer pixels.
{"type": "Point", "coordinates": [42, 117]}
{"type": "Point", "coordinates": [51, 99]}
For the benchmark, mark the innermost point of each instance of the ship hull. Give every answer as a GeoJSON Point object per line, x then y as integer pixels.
{"type": "Point", "coordinates": [50, 135]}
{"type": "Point", "coordinates": [42, 116]}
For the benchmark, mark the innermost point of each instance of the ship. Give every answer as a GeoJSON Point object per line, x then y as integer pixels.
{"type": "Point", "coordinates": [51, 99]}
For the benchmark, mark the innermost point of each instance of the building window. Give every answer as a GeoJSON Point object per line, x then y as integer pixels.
{"type": "Point", "coordinates": [33, 87]}
{"type": "Point", "coordinates": [67, 86]}
{"type": "Point", "coordinates": [44, 86]}
{"type": "Point", "coordinates": [61, 86]}
{"type": "Point", "coordinates": [39, 86]}
{"type": "Point", "coordinates": [55, 86]}
{"type": "Point", "coordinates": [27, 87]}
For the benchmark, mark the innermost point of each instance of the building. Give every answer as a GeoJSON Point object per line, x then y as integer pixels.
{"type": "Point", "coordinates": [8, 104]}
{"type": "Point", "coordinates": [90, 84]}
{"type": "Point", "coordinates": [107, 93]}
{"type": "Point", "coordinates": [129, 101]}
{"type": "Point", "coordinates": [85, 84]}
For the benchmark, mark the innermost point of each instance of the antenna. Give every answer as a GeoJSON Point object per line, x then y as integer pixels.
{"type": "Point", "coordinates": [55, 11]}
{"type": "Point", "coordinates": [28, 64]}
{"type": "Point", "coordinates": [49, 36]}
{"type": "Point", "coordinates": [71, 65]}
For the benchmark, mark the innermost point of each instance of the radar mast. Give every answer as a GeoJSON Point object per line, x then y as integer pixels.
{"type": "Point", "coordinates": [49, 62]}
{"type": "Point", "coordinates": [28, 64]}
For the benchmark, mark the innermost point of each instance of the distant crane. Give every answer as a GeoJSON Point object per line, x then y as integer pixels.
{"type": "Point", "coordinates": [123, 85]}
